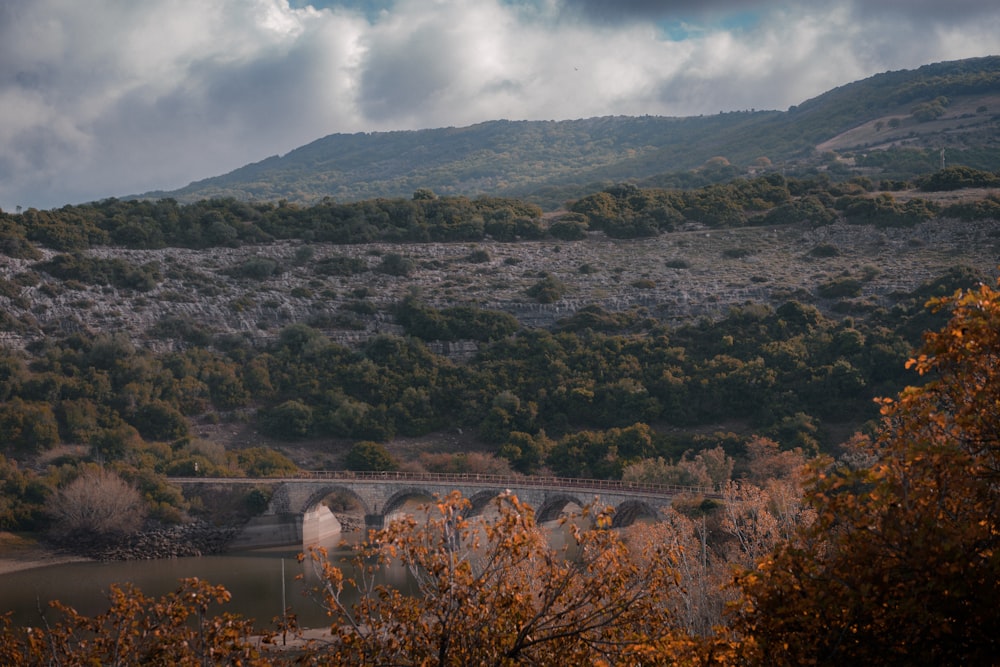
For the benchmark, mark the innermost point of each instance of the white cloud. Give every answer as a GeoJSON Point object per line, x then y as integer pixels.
{"type": "Point", "coordinates": [108, 98]}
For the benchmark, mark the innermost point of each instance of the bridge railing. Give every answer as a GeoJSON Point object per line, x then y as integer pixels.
{"type": "Point", "coordinates": [508, 481]}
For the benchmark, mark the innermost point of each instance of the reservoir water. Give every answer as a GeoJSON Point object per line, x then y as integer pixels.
{"type": "Point", "coordinates": [258, 581]}
{"type": "Point", "coordinates": [254, 578]}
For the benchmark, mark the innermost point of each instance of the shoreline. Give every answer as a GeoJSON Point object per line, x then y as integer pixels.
{"type": "Point", "coordinates": [24, 552]}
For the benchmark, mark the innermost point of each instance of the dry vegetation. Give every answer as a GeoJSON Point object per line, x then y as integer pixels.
{"type": "Point", "coordinates": [674, 276]}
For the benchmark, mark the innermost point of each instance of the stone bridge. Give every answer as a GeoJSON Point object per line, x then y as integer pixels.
{"type": "Point", "coordinates": [296, 513]}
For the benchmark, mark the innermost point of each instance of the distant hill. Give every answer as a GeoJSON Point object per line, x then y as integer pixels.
{"type": "Point", "coordinates": [892, 125]}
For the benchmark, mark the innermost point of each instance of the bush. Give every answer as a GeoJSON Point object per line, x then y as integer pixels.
{"type": "Point", "coordinates": [264, 462]}
{"type": "Point", "coordinates": [569, 229]}
{"type": "Point", "coordinates": [290, 420]}
{"type": "Point", "coordinates": [825, 250]}
{"type": "Point", "coordinates": [255, 268]}
{"type": "Point", "coordinates": [160, 421]}
{"type": "Point", "coordinates": [369, 456]}
{"type": "Point", "coordinates": [340, 265]}
{"type": "Point", "coordinates": [547, 290]}
{"type": "Point", "coordinates": [97, 502]}
{"type": "Point", "coordinates": [480, 256]}
{"type": "Point", "coordinates": [395, 264]}
{"type": "Point", "coordinates": [839, 288]}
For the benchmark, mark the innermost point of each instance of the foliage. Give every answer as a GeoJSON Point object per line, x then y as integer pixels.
{"type": "Point", "coordinates": [710, 468]}
{"type": "Point", "coordinates": [547, 290]}
{"type": "Point", "coordinates": [22, 496]}
{"type": "Point", "coordinates": [177, 629]}
{"type": "Point", "coordinates": [395, 264]}
{"type": "Point", "coordinates": [453, 323]}
{"type": "Point", "coordinates": [900, 566]}
{"type": "Point", "coordinates": [494, 592]}
{"type": "Point", "coordinates": [289, 421]}
{"type": "Point", "coordinates": [97, 271]}
{"type": "Point", "coordinates": [956, 178]}
{"type": "Point", "coordinates": [367, 455]}
{"type": "Point", "coordinates": [265, 462]}
{"type": "Point", "coordinates": [27, 427]}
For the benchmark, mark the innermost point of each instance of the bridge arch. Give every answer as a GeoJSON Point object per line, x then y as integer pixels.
{"type": "Point", "coordinates": [629, 511]}
{"type": "Point", "coordinates": [482, 499]}
{"type": "Point", "coordinates": [313, 501]}
{"type": "Point", "coordinates": [554, 506]}
{"type": "Point", "coordinates": [401, 497]}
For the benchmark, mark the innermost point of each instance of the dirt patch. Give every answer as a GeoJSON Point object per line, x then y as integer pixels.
{"type": "Point", "coordinates": [19, 552]}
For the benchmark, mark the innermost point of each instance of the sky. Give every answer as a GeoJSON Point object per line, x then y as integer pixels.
{"type": "Point", "coordinates": [103, 98]}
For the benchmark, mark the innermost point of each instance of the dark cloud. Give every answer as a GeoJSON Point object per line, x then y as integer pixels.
{"type": "Point", "coordinates": [623, 11]}
{"type": "Point", "coordinates": [402, 76]}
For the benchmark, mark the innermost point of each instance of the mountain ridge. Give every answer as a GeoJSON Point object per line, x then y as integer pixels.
{"type": "Point", "coordinates": [549, 161]}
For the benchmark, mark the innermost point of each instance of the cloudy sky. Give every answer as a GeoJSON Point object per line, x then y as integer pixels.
{"type": "Point", "coordinates": [103, 98]}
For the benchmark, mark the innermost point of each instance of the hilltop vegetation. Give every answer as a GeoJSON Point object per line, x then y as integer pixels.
{"type": "Point", "coordinates": [891, 125]}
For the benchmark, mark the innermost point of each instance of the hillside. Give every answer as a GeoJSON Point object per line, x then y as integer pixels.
{"type": "Point", "coordinates": [950, 105]}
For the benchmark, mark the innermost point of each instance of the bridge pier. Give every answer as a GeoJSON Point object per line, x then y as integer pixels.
{"type": "Point", "coordinates": [279, 530]}
{"type": "Point", "coordinates": [270, 530]}
{"type": "Point", "coordinates": [374, 521]}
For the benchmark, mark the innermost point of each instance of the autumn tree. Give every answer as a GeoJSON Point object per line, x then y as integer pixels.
{"type": "Point", "coordinates": [901, 564]}
{"type": "Point", "coordinates": [493, 592]}
{"type": "Point", "coordinates": [180, 628]}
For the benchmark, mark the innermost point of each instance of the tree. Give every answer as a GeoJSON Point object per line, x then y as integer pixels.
{"type": "Point", "coordinates": [27, 427]}
{"type": "Point", "coordinates": [901, 564]}
{"type": "Point", "coordinates": [290, 420]}
{"type": "Point", "coordinates": [97, 502]}
{"type": "Point", "coordinates": [367, 455]}
{"type": "Point", "coordinates": [158, 420]}
{"type": "Point", "coordinates": [495, 593]}
{"type": "Point", "coordinates": [176, 629]}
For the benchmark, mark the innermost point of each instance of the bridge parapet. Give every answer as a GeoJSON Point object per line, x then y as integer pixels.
{"type": "Point", "coordinates": [508, 481]}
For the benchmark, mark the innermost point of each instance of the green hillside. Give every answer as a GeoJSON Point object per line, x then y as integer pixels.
{"type": "Point", "coordinates": [909, 115]}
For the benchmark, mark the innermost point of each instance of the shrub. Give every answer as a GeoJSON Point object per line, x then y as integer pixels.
{"type": "Point", "coordinates": [547, 290]}
{"type": "Point", "coordinates": [255, 268]}
{"type": "Point", "coordinates": [290, 420]}
{"type": "Point", "coordinates": [480, 256]}
{"type": "Point", "coordinates": [395, 264]}
{"type": "Point", "coordinates": [825, 250]}
{"type": "Point", "coordinates": [839, 288]}
{"type": "Point", "coordinates": [97, 502]}
{"type": "Point", "coordinates": [369, 456]}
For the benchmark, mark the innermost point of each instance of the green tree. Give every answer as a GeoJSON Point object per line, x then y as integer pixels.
{"type": "Point", "coordinates": [366, 455]}
{"type": "Point", "coordinates": [27, 427]}
{"type": "Point", "coordinates": [289, 420]}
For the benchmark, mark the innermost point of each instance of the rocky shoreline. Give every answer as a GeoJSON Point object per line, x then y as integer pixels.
{"type": "Point", "coordinates": [197, 538]}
